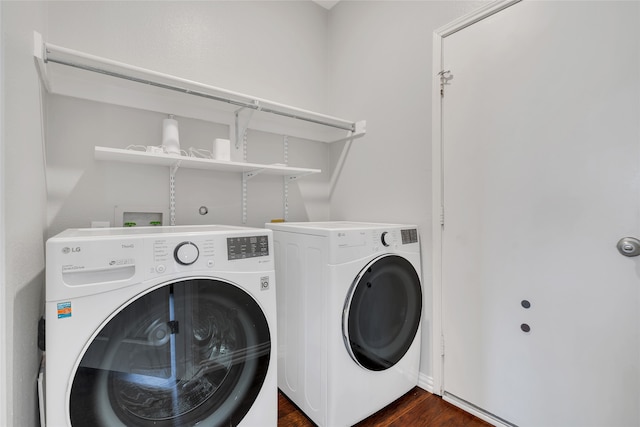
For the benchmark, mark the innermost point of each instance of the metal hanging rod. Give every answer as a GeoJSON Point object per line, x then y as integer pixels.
{"type": "Point", "coordinates": [254, 104]}
{"type": "Point", "coordinates": [150, 82]}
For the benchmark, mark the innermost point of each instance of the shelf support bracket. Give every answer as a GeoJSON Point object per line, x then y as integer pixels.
{"type": "Point", "coordinates": [291, 178]}
{"type": "Point", "coordinates": [40, 58]}
{"type": "Point", "coordinates": [246, 176]}
{"type": "Point", "coordinates": [285, 197]}
{"type": "Point", "coordinates": [172, 192]}
{"type": "Point", "coordinates": [360, 130]}
{"type": "Point", "coordinates": [240, 130]}
{"type": "Point", "coordinates": [285, 179]}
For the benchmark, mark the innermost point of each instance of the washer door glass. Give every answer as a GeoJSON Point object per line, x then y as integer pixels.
{"type": "Point", "coordinates": [382, 312]}
{"type": "Point", "coordinates": [192, 351]}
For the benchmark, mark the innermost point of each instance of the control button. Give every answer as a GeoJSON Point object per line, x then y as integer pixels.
{"type": "Point", "coordinates": [210, 263]}
{"type": "Point", "coordinates": [186, 253]}
{"type": "Point", "coordinates": [386, 238]}
{"type": "Point", "coordinates": [161, 268]}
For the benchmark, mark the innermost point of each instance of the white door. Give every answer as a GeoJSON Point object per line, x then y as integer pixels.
{"type": "Point", "coordinates": [540, 179]}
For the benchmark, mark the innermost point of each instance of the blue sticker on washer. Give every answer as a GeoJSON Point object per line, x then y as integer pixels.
{"type": "Point", "coordinates": [64, 310]}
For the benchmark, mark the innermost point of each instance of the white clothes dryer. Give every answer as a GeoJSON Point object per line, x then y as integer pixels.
{"type": "Point", "coordinates": [349, 310]}
{"type": "Point", "coordinates": [161, 326]}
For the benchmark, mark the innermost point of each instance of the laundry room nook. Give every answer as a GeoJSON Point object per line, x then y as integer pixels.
{"type": "Point", "coordinates": [319, 213]}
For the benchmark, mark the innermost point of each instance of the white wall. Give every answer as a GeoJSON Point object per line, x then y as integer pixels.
{"type": "Point", "coordinates": [24, 207]}
{"type": "Point", "coordinates": [3, 293]}
{"type": "Point", "coordinates": [361, 60]}
{"type": "Point", "coordinates": [380, 58]}
{"type": "Point", "coordinates": [243, 46]}
{"type": "Point", "coordinates": [271, 49]}
{"type": "Point", "coordinates": [82, 189]}
{"type": "Point", "coordinates": [274, 50]}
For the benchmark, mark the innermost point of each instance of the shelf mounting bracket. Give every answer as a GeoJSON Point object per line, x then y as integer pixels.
{"type": "Point", "coordinates": [246, 176]}
{"type": "Point", "coordinates": [360, 130]}
{"type": "Point", "coordinates": [40, 58]}
{"type": "Point", "coordinates": [241, 130]}
{"type": "Point", "coordinates": [172, 192]}
{"type": "Point", "coordinates": [285, 180]}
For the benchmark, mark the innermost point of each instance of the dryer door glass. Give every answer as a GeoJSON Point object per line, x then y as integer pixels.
{"type": "Point", "coordinates": [382, 312]}
{"type": "Point", "coordinates": [191, 351]}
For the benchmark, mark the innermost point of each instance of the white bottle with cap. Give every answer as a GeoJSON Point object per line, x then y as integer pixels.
{"type": "Point", "coordinates": [221, 149]}
{"type": "Point", "coordinates": [170, 139]}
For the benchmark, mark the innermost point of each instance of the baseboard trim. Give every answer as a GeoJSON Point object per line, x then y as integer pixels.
{"type": "Point", "coordinates": [474, 410]}
{"type": "Point", "coordinates": [425, 382]}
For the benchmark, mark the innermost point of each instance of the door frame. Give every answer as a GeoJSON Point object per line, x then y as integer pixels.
{"type": "Point", "coordinates": [4, 410]}
{"type": "Point", "coordinates": [437, 142]}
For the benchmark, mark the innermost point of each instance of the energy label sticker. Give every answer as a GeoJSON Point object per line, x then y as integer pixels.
{"type": "Point", "coordinates": [64, 310]}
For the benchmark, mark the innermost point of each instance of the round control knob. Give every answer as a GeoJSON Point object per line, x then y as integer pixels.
{"type": "Point", "coordinates": [386, 238]}
{"type": "Point", "coordinates": [186, 253]}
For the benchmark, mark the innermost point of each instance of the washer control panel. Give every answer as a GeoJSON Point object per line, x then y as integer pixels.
{"type": "Point", "coordinates": [79, 260]}
{"type": "Point", "coordinates": [247, 247]}
{"type": "Point", "coordinates": [242, 252]}
{"type": "Point", "coordinates": [186, 253]}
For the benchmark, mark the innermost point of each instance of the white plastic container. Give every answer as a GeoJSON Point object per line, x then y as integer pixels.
{"type": "Point", "coordinates": [221, 149]}
{"type": "Point", "coordinates": [170, 138]}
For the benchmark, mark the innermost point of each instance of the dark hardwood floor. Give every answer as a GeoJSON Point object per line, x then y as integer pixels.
{"type": "Point", "coordinates": [416, 408]}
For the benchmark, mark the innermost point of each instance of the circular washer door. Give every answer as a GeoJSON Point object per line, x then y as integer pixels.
{"type": "Point", "coordinates": [192, 351]}
{"type": "Point", "coordinates": [382, 312]}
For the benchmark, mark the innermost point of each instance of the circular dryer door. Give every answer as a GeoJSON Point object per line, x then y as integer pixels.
{"type": "Point", "coordinates": [382, 312]}
{"type": "Point", "coordinates": [191, 351]}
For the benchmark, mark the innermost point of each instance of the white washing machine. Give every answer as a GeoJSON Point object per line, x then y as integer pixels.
{"type": "Point", "coordinates": [161, 326]}
{"type": "Point", "coordinates": [349, 310]}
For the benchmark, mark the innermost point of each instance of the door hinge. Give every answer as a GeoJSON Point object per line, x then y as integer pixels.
{"type": "Point", "coordinates": [442, 216]}
{"type": "Point", "coordinates": [441, 345]}
{"type": "Point", "coordinates": [41, 334]}
{"type": "Point", "coordinates": [445, 76]}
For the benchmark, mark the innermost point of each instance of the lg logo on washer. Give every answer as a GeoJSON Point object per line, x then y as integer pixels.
{"type": "Point", "coordinates": [68, 250]}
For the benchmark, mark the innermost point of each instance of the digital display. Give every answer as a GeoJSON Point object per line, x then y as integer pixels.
{"type": "Point", "coordinates": [247, 247]}
{"type": "Point", "coordinates": [409, 236]}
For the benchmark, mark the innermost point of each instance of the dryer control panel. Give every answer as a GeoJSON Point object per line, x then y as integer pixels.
{"type": "Point", "coordinates": [409, 235]}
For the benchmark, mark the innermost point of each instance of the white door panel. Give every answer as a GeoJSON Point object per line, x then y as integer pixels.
{"type": "Point", "coordinates": [541, 173]}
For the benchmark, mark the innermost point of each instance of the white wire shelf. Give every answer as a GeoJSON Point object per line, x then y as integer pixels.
{"type": "Point", "coordinates": [81, 75]}
{"type": "Point", "coordinates": [144, 158]}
